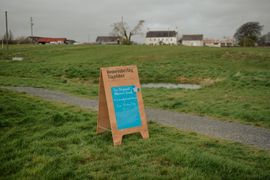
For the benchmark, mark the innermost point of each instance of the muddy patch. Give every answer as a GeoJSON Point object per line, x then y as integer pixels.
{"type": "Point", "coordinates": [198, 81]}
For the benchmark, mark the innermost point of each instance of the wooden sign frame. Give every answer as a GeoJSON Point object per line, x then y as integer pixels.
{"type": "Point", "coordinates": [120, 76]}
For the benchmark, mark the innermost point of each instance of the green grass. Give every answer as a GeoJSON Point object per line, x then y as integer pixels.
{"type": "Point", "coordinates": [42, 140]}
{"type": "Point", "coordinates": [236, 80]}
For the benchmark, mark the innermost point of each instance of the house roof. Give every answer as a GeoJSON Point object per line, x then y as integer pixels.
{"type": "Point", "coordinates": [107, 38]}
{"type": "Point", "coordinates": [161, 34]}
{"type": "Point", "coordinates": [192, 37]}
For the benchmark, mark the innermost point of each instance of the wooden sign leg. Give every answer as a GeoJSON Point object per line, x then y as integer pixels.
{"type": "Point", "coordinates": [117, 139]}
{"type": "Point", "coordinates": [103, 123]}
{"type": "Point", "coordinates": [144, 134]}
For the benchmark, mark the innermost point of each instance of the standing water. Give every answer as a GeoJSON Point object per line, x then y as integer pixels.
{"type": "Point", "coordinates": [171, 86]}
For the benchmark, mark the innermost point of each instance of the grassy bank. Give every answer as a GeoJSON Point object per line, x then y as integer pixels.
{"type": "Point", "coordinates": [236, 81]}
{"type": "Point", "coordinates": [41, 140]}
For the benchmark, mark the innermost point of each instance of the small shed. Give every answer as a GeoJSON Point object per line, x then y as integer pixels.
{"type": "Point", "coordinates": [192, 40]}
{"type": "Point", "coordinates": [108, 40]}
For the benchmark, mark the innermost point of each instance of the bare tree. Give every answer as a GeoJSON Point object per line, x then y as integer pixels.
{"type": "Point", "coordinates": [22, 40]}
{"type": "Point", "coordinates": [121, 29]}
{"type": "Point", "coordinates": [8, 37]}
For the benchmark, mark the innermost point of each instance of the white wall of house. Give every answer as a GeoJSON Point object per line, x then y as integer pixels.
{"type": "Point", "coordinates": [161, 40]}
{"type": "Point", "coordinates": [219, 44]}
{"type": "Point", "coordinates": [192, 43]}
{"type": "Point", "coordinates": [212, 44]}
{"type": "Point", "coordinates": [108, 42]}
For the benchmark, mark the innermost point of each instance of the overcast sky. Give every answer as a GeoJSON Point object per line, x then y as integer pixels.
{"type": "Point", "coordinates": [83, 19]}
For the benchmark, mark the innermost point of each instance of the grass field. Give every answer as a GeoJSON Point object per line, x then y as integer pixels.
{"type": "Point", "coordinates": [236, 81]}
{"type": "Point", "coordinates": [42, 140]}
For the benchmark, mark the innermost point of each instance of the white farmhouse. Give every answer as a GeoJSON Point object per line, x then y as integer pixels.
{"type": "Point", "coordinates": [192, 40]}
{"type": "Point", "coordinates": [161, 37]}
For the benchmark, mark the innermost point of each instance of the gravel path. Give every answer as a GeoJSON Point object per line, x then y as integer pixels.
{"type": "Point", "coordinates": [246, 134]}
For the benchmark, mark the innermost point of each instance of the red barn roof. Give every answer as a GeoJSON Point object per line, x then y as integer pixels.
{"type": "Point", "coordinates": [48, 40]}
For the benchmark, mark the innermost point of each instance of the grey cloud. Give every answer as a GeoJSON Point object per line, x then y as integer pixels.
{"type": "Point", "coordinates": [82, 18]}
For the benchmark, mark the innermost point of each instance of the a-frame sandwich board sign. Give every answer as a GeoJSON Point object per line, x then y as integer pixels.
{"type": "Point", "coordinates": [121, 108]}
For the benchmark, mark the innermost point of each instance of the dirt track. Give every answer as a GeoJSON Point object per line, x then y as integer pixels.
{"type": "Point", "coordinates": [246, 134]}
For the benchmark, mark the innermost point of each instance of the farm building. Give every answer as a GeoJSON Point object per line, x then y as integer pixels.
{"type": "Point", "coordinates": [219, 43]}
{"type": "Point", "coordinates": [192, 40]}
{"type": "Point", "coordinates": [108, 40]}
{"type": "Point", "coordinates": [48, 40]}
{"type": "Point", "coordinates": [161, 37]}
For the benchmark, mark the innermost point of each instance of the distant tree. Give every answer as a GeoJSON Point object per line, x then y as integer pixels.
{"type": "Point", "coordinates": [264, 40]}
{"type": "Point", "coordinates": [22, 40]}
{"type": "Point", "coordinates": [9, 37]}
{"type": "Point", "coordinates": [248, 34]}
{"type": "Point", "coordinates": [122, 29]}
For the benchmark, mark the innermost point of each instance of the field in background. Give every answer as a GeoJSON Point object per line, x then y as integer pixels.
{"type": "Point", "coordinates": [236, 80]}
{"type": "Point", "coordinates": [42, 140]}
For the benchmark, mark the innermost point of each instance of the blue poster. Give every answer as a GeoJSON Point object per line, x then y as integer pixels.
{"type": "Point", "coordinates": [126, 107]}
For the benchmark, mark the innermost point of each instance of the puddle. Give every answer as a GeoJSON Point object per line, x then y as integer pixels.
{"type": "Point", "coordinates": [171, 86]}
{"type": "Point", "coordinates": [17, 58]}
